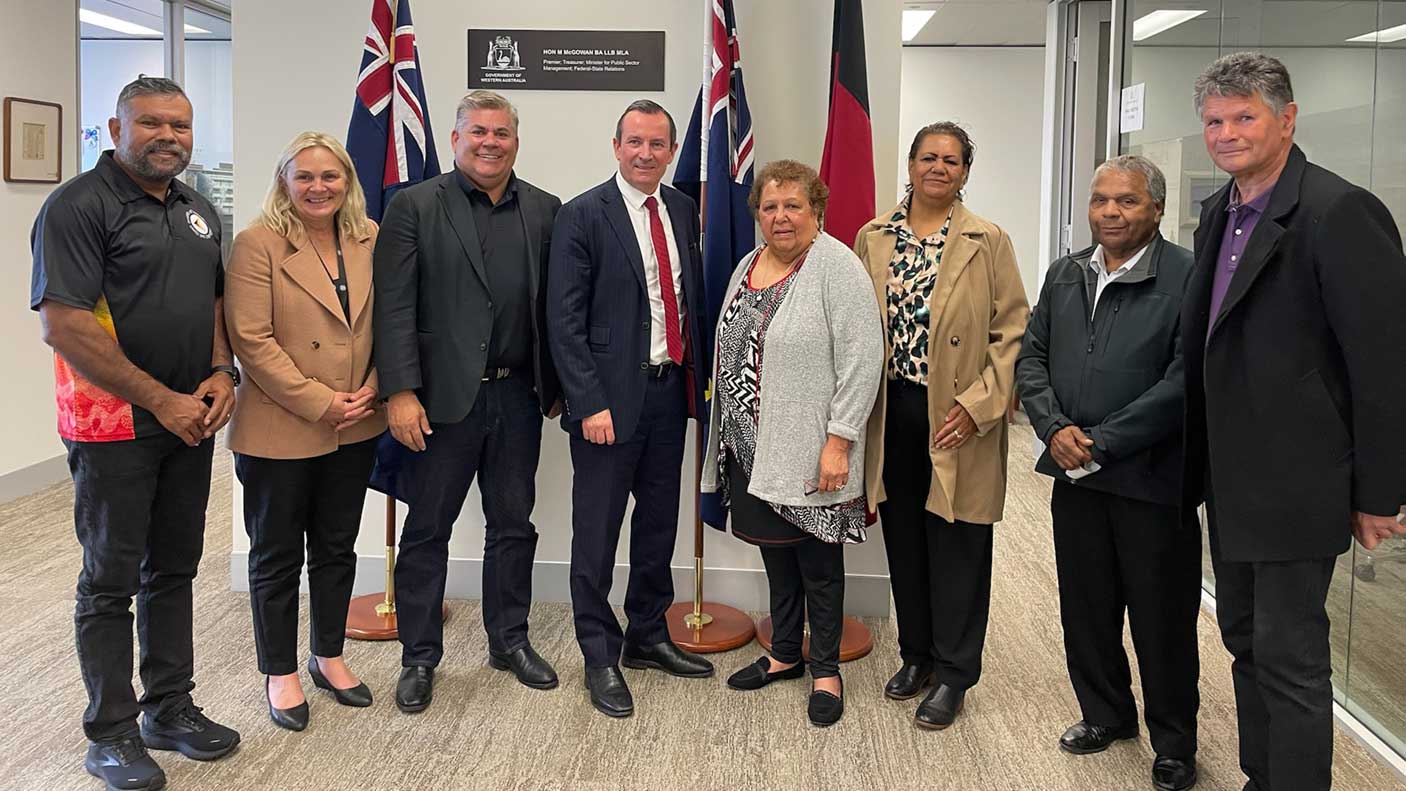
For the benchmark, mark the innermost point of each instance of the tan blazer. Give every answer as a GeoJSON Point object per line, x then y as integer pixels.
{"type": "Point", "coordinates": [979, 312]}
{"type": "Point", "coordinates": [294, 345]}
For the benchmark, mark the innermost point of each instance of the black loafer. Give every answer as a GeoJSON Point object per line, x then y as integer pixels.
{"type": "Point", "coordinates": [1084, 737]}
{"type": "Point", "coordinates": [358, 696]}
{"type": "Point", "coordinates": [189, 733]}
{"type": "Point", "coordinates": [909, 681]}
{"type": "Point", "coordinates": [530, 668]}
{"type": "Point", "coordinates": [940, 708]}
{"type": "Point", "coordinates": [667, 657]}
{"type": "Point", "coordinates": [415, 689]}
{"type": "Point", "coordinates": [124, 765]}
{"type": "Point", "coordinates": [758, 674]}
{"type": "Point", "coordinates": [293, 719]}
{"type": "Point", "coordinates": [1173, 774]}
{"type": "Point", "coordinates": [825, 708]}
{"type": "Point", "coordinates": [609, 693]}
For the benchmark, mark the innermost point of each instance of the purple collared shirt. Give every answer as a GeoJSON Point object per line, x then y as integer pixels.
{"type": "Point", "coordinates": [1238, 227]}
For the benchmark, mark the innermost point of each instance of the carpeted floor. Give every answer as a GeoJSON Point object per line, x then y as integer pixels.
{"type": "Point", "coordinates": [485, 731]}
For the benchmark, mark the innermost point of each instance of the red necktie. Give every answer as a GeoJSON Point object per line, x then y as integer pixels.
{"type": "Point", "coordinates": [672, 339]}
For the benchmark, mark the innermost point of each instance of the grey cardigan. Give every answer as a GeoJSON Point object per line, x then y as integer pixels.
{"type": "Point", "coordinates": [824, 359]}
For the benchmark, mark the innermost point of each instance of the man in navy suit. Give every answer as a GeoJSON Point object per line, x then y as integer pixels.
{"type": "Point", "coordinates": [623, 295]}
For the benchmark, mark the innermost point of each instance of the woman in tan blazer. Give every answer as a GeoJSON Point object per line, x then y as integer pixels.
{"type": "Point", "coordinates": [298, 310]}
{"type": "Point", "coordinates": [954, 311]}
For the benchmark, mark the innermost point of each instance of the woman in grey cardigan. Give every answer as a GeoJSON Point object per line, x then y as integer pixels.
{"type": "Point", "coordinates": [799, 356]}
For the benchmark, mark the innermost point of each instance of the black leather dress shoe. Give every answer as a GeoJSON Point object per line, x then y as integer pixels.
{"type": "Point", "coordinates": [124, 765]}
{"type": "Point", "coordinates": [609, 694]}
{"type": "Point", "coordinates": [667, 657]}
{"type": "Point", "coordinates": [529, 667]}
{"type": "Point", "coordinates": [415, 690]}
{"type": "Point", "coordinates": [825, 708]}
{"type": "Point", "coordinates": [1173, 774]}
{"type": "Point", "coordinates": [293, 719]}
{"type": "Point", "coordinates": [358, 696]}
{"type": "Point", "coordinates": [909, 681]}
{"type": "Point", "coordinates": [1084, 737]}
{"type": "Point", "coordinates": [758, 674]}
{"type": "Point", "coordinates": [940, 708]}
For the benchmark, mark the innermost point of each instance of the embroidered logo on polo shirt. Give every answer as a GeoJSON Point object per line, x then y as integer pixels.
{"type": "Point", "coordinates": [198, 224]}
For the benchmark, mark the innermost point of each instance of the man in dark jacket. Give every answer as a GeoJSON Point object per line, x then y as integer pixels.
{"type": "Point", "coordinates": [461, 352]}
{"type": "Point", "coordinates": [1294, 428]}
{"type": "Point", "coordinates": [1100, 375]}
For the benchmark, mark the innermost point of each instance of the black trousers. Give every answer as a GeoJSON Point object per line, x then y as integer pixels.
{"type": "Point", "coordinates": [1274, 621]}
{"type": "Point", "coordinates": [139, 512]}
{"type": "Point", "coordinates": [288, 502]}
{"type": "Point", "coordinates": [806, 579]}
{"type": "Point", "coordinates": [646, 465]}
{"type": "Point", "coordinates": [1113, 554]}
{"type": "Point", "coordinates": [940, 571]}
{"type": "Point", "coordinates": [499, 441]}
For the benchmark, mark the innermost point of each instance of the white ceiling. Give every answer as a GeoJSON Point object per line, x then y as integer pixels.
{"type": "Point", "coordinates": [147, 13]}
{"type": "Point", "coordinates": [975, 23]}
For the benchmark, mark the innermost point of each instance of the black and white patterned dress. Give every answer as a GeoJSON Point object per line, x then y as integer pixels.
{"type": "Point", "coordinates": [741, 343]}
{"type": "Point", "coordinates": [912, 275]}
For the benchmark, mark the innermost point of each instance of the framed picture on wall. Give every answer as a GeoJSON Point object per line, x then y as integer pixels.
{"type": "Point", "coordinates": [33, 141]}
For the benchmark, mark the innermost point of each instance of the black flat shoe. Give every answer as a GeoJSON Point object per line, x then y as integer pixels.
{"type": "Point", "coordinates": [1084, 738]}
{"type": "Point", "coordinates": [124, 765]}
{"type": "Point", "coordinates": [909, 681]}
{"type": "Point", "coordinates": [1173, 774]}
{"type": "Point", "coordinates": [415, 689]}
{"type": "Point", "coordinates": [609, 693]}
{"type": "Point", "coordinates": [667, 657]}
{"type": "Point", "coordinates": [529, 667]}
{"type": "Point", "coordinates": [758, 674]}
{"type": "Point", "coordinates": [940, 708]}
{"type": "Point", "coordinates": [294, 719]}
{"type": "Point", "coordinates": [825, 708]}
{"type": "Point", "coordinates": [358, 696]}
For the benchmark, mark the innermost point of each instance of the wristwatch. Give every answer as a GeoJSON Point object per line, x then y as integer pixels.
{"type": "Point", "coordinates": [229, 369]}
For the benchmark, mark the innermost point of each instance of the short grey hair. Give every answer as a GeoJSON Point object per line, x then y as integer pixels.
{"type": "Point", "coordinates": [483, 100]}
{"type": "Point", "coordinates": [1132, 163]}
{"type": "Point", "coordinates": [148, 86]}
{"type": "Point", "coordinates": [1246, 74]}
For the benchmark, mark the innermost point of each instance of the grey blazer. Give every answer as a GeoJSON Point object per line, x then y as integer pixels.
{"type": "Point", "coordinates": [824, 360]}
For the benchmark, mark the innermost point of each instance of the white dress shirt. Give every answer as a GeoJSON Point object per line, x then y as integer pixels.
{"type": "Point", "coordinates": [1104, 276]}
{"type": "Point", "coordinates": [639, 215]}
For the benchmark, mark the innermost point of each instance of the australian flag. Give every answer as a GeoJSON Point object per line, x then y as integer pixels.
{"type": "Point", "coordinates": [392, 147]}
{"type": "Point", "coordinates": [389, 138]}
{"type": "Point", "coordinates": [715, 169]}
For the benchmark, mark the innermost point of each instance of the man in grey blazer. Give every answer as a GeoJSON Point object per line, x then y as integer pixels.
{"type": "Point", "coordinates": [460, 278]}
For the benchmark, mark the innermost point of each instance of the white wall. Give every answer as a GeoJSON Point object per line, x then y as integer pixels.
{"type": "Point", "coordinates": [565, 149]}
{"type": "Point", "coordinates": [1000, 103]}
{"type": "Point", "coordinates": [38, 60]}
{"type": "Point", "coordinates": [109, 64]}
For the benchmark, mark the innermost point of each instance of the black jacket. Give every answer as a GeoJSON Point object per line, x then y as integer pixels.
{"type": "Point", "coordinates": [433, 315]}
{"type": "Point", "coordinates": [1294, 412]}
{"type": "Point", "coordinates": [1117, 375]}
{"type": "Point", "coordinates": [599, 317]}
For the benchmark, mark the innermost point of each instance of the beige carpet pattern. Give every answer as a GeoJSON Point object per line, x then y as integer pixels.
{"type": "Point", "coordinates": [485, 731]}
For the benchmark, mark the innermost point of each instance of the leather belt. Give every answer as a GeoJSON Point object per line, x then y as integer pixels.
{"type": "Point", "coordinates": [495, 374]}
{"type": "Point", "coordinates": [657, 371]}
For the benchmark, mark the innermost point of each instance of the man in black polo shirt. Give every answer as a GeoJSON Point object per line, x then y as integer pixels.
{"type": "Point", "coordinates": [127, 282]}
{"type": "Point", "coordinates": [461, 350]}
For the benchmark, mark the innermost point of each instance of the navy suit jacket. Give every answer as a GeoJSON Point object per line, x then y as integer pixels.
{"type": "Point", "coordinates": [598, 320]}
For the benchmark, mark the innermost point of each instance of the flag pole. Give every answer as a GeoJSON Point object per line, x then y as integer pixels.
{"type": "Point", "coordinates": [705, 627]}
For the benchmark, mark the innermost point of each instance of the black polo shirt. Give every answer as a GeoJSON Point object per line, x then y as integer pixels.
{"type": "Point", "coordinates": [502, 239]}
{"type": "Point", "coordinates": [149, 270]}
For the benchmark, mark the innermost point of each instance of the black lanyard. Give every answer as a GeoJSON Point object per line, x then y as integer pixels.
{"type": "Point", "coordinates": [339, 281]}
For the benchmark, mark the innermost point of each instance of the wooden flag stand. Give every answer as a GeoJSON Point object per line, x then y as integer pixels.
{"type": "Point", "coordinates": [372, 617]}
{"type": "Point", "coordinates": [699, 626]}
{"type": "Point", "coordinates": [856, 641]}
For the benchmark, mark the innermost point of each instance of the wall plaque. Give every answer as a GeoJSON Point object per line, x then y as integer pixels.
{"type": "Point", "coordinates": [566, 60]}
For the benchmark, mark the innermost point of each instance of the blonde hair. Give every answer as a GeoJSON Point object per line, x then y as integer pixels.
{"type": "Point", "coordinates": [278, 214]}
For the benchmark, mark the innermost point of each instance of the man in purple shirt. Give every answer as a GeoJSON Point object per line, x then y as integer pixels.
{"type": "Point", "coordinates": [1293, 435]}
